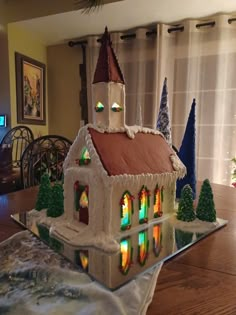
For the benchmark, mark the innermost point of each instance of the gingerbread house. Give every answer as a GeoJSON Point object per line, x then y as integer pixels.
{"type": "Point", "coordinates": [117, 177]}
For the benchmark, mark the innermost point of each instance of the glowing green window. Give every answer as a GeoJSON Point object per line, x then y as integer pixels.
{"type": "Point", "coordinates": [158, 199]}
{"type": "Point", "coordinates": [156, 239]}
{"type": "Point", "coordinates": [126, 253]}
{"type": "Point", "coordinates": [143, 245]}
{"type": "Point", "coordinates": [99, 107]}
{"type": "Point", "coordinates": [126, 208]}
{"type": "Point", "coordinates": [116, 107]}
{"type": "Point", "coordinates": [144, 203]}
{"type": "Point", "coordinates": [84, 157]}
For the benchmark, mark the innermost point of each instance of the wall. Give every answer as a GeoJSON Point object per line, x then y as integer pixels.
{"type": "Point", "coordinates": [11, 11]}
{"type": "Point", "coordinates": [63, 90]}
{"type": "Point", "coordinates": [4, 80]}
{"type": "Point", "coordinates": [24, 42]}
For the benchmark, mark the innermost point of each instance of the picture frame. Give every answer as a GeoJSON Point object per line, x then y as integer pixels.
{"type": "Point", "coordinates": [30, 90]}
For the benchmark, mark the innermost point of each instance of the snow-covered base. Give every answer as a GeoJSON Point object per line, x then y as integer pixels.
{"type": "Point", "coordinates": [74, 233]}
{"type": "Point", "coordinates": [196, 226]}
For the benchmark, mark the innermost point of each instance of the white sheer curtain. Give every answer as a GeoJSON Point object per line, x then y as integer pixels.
{"type": "Point", "coordinates": [199, 63]}
{"type": "Point", "coordinates": [202, 65]}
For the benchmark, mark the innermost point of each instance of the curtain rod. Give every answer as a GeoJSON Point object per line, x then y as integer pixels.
{"type": "Point", "coordinates": [127, 36]}
{"type": "Point", "coordinates": [153, 32]}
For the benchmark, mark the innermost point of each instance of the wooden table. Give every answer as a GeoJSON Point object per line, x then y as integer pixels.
{"type": "Point", "coordinates": [201, 280]}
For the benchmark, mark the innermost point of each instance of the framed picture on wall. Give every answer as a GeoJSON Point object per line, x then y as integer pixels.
{"type": "Point", "coordinates": [30, 90]}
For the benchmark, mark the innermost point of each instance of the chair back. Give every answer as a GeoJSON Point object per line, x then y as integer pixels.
{"type": "Point", "coordinates": [44, 154]}
{"type": "Point", "coordinates": [14, 143]}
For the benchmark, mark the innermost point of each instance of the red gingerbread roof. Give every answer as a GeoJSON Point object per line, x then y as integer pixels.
{"type": "Point", "coordinates": [107, 69]}
{"type": "Point", "coordinates": [146, 153]}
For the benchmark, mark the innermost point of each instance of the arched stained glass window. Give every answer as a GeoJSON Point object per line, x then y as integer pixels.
{"type": "Point", "coordinates": [157, 239]}
{"type": "Point", "coordinates": [99, 107]}
{"type": "Point", "coordinates": [143, 246]}
{"type": "Point", "coordinates": [158, 200]}
{"type": "Point", "coordinates": [126, 253]}
{"type": "Point", "coordinates": [144, 203]}
{"type": "Point", "coordinates": [126, 209]}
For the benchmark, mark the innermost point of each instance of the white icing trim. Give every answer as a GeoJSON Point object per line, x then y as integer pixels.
{"type": "Point", "coordinates": [176, 162]}
{"type": "Point", "coordinates": [131, 131]}
{"type": "Point", "coordinates": [164, 179]}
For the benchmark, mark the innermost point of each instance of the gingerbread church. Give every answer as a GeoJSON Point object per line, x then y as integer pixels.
{"type": "Point", "coordinates": [116, 177]}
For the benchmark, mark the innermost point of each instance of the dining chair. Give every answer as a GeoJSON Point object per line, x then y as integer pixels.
{"type": "Point", "coordinates": [45, 154]}
{"type": "Point", "coordinates": [12, 146]}
{"type": "Point", "coordinates": [15, 141]}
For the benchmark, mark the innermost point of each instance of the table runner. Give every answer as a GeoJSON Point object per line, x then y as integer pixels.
{"type": "Point", "coordinates": [36, 280]}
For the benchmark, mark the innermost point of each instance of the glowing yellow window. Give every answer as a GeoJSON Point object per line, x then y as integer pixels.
{"type": "Point", "coordinates": [158, 200]}
{"type": "Point", "coordinates": [143, 245]}
{"type": "Point", "coordinates": [116, 107]}
{"type": "Point", "coordinates": [82, 259]}
{"type": "Point", "coordinates": [125, 255]}
{"type": "Point", "coordinates": [144, 203]}
{"type": "Point", "coordinates": [99, 107]}
{"type": "Point", "coordinates": [126, 208]}
{"type": "Point", "coordinates": [156, 239]}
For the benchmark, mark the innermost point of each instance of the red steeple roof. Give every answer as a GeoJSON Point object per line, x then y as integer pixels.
{"type": "Point", "coordinates": [107, 69]}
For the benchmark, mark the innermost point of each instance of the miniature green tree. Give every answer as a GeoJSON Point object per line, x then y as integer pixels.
{"type": "Point", "coordinates": [186, 210]}
{"type": "Point", "coordinates": [44, 193]}
{"type": "Point", "coordinates": [206, 206]}
{"type": "Point", "coordinates": [56, 204]}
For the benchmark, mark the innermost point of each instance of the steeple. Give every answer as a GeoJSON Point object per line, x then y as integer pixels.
{"type": "Point", "coordinates": [108, 69]}
{"type": "Point", "coordinates": [108, 88]}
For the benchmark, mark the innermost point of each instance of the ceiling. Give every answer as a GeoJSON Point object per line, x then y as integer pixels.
{"type": "Point", "coordinates": [122, 15]}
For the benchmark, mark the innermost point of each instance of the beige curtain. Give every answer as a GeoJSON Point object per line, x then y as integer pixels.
{"type": "Point", "coordinates": [200, 63]}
